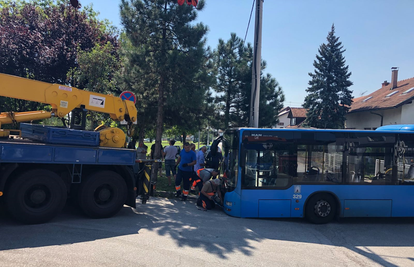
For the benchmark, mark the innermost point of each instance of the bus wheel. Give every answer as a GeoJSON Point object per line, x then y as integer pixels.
{"type": "Point", "coordinates": [102, 194]}
{"type": "Point", "coordinates": [36, 196]}
{"type": "Point", "coordinates": [321, 208]}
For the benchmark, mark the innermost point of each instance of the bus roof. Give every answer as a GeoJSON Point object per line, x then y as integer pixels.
{"type": "Point", "coordinates": [397, 127]}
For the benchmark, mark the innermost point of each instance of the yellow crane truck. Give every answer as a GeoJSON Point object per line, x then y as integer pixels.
{"type": "Point", "coordinates": [47, 165]}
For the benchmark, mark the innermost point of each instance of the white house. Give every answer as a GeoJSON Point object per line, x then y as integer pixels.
{"type": "Point", "coordinates": [291, 117]}
{"type": "Point", "coordinates": [283, 118]}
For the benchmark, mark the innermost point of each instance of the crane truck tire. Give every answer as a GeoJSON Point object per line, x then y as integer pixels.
{"type": "Point", "coordinates": [102, 194]}
{"type": "Point", "coordinates": [36, 196]}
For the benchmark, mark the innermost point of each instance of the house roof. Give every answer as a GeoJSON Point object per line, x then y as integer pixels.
{"type": "Point", "coordinates": [297, 113]}
{"type": "Point", "coordinates": [283, 111]}
{"type": "Point", "coordinates": [385, 98]}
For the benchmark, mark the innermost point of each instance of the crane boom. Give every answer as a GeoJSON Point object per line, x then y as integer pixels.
{"type": "Point", "coordinates": [64, 99]}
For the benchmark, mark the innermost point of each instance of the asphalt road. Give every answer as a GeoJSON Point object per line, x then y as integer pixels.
{"type": "Point", "coordinates": [167, 232]}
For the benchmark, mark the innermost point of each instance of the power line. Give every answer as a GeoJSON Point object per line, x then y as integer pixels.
{"type": "Point", "coordinates": [248, 24]}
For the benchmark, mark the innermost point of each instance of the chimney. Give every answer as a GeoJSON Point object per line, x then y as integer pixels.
{"type": "Point", "coordinates": [385, 83]}
{"type": "Point", "coordinates": [394, 77]}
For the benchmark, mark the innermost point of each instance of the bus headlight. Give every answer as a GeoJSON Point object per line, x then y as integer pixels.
{"type": "Point", "coordinates": [229, 203]}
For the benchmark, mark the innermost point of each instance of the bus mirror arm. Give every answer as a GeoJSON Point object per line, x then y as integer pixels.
{"type": "Point", "coordinates": [242, 158]}
{"type": "Point", "coordinates": [214, 145]}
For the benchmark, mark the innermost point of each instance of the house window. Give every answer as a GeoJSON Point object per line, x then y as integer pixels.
{"type": "Point", "coordinates": [293, 121]}
{"type": "Point", "coordinates": [281, 124]}
{"type": "Point", "coordinates": [392, 93]}
{"type": "Point", "coordinates": [366, 99]}
{"type": "Point", "coordinates": [409, 90]}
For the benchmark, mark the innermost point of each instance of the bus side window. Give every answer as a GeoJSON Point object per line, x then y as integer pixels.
{"type": "Point", "coordinates": [370, 162]}
{"type": "Point", "coordinates": [320, 163]}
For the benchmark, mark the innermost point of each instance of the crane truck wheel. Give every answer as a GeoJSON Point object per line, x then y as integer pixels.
{"type": "Point", "coordinates": [36, 196]}
{"type": "Point", "coordinates": [102, 194]}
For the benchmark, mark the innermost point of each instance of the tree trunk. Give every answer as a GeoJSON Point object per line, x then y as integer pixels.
{"type": "Point", "coordinates": [160, 121]}
{"type": "Point", "coordinates": [141, 134]}
{"type": "Point", "coordinates": [160, 111]}
{"type": "Point", "coordinates": [227, 110]}
{"type": "Point", "coordinates": [184, 137]}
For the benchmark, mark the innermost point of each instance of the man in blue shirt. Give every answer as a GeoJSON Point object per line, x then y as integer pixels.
{"type": "Point", "coordinates": [200, 158]}
{"type": "Point", "coordinates": [185, 163]}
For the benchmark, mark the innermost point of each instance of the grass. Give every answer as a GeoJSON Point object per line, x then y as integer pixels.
{"type": "Point", "coordinates": [162, 181]}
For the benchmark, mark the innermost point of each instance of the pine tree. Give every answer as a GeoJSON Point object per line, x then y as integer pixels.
{"type": "Point", "coordinates": [271, 100]}
{"type": "Point", "coordinates": [233, 60]}
{"type": "Point", "coordinates": [329, 98]}
{"type": "Point", "coordinates": [230, 60]}
{"type": "Point", "coordinates": [167, 50]}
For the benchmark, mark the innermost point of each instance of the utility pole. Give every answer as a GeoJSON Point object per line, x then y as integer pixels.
{"type": "Point", "coordinates": [257, 56]}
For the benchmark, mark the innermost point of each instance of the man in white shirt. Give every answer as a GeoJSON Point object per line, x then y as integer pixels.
{"type": "Point", "coordinates": [141, 151]}
{"type": "Point", "coordinates": [170, 153]}
{"type": "Point", "coordinates": [141, 154]}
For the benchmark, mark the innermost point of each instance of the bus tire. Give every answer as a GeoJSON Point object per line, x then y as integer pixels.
{"type": "Point", "coordinates": [36, 196]}
{"type": "Point", "coordinates": [321, 208]}
{"type": "Point", "coordinates": [102, 194]}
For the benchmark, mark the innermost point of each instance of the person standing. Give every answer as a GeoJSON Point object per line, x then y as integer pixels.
{"type": "Point", "coordinates": [141, 150]}
{"type": "Point", "coordinates": [200, 158]}
{"type": "Point", "coordinates": [214, 159]}
{"type": "Point", "coordinates": [141, 154]}
{"type": "Point", "coordinates": [169, 155]}
{"type": "Point", "coordinates": [185, 162]}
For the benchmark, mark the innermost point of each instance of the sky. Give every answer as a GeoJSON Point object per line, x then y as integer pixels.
{"type": "Point", "coordinates": [376, 34]}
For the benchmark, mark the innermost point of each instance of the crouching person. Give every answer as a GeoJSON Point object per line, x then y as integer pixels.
{"type": "Point", "coordinates": [203, 175]}
{"type": "Point", "coordinates": [207, 193]}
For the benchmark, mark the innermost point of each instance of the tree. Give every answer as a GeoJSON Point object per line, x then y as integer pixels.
{"type": "Point", "coordinates": [95, 72]}
{"type": "Point", "coordinates": [329, 98]}
{"type": "Point", "coordinates": [233, 61]}
{"type": "Point", "coordinates": [41, 40]}
{"type": "Point", "coordinates": [189, 106]}
{"type": "Point", "coordinates": [271, 100]}
{"type": "Point", "coordinates": [165, 51]}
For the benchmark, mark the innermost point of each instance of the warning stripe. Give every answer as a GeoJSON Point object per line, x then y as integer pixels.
{"type": "Point", "coordinates": [148, 180]}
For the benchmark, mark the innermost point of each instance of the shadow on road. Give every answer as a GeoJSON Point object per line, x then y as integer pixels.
{"type": "Point", "coordinates": [212, 231]}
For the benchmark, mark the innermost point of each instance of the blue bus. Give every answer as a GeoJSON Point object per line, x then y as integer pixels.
{"type": "Point", "coordinates": [318, 174]}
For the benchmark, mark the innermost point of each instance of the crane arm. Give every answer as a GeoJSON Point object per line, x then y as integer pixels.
{"type": "Point", "coordinates": [64, 99]}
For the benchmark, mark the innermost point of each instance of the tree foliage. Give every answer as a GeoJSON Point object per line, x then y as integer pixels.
{"type": "Point", "coordinates": [42, 39]}
{"type": "Point", "coordinates": [271, 100]}
{"type": "Point", "coordinates": [96, 69]}
{"type": "Point", "coordinates": [166, 62]}
{"type": "Point", "coordinates": [329, 98]}
{"type": "Point", "coordinates": [233, 60]}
